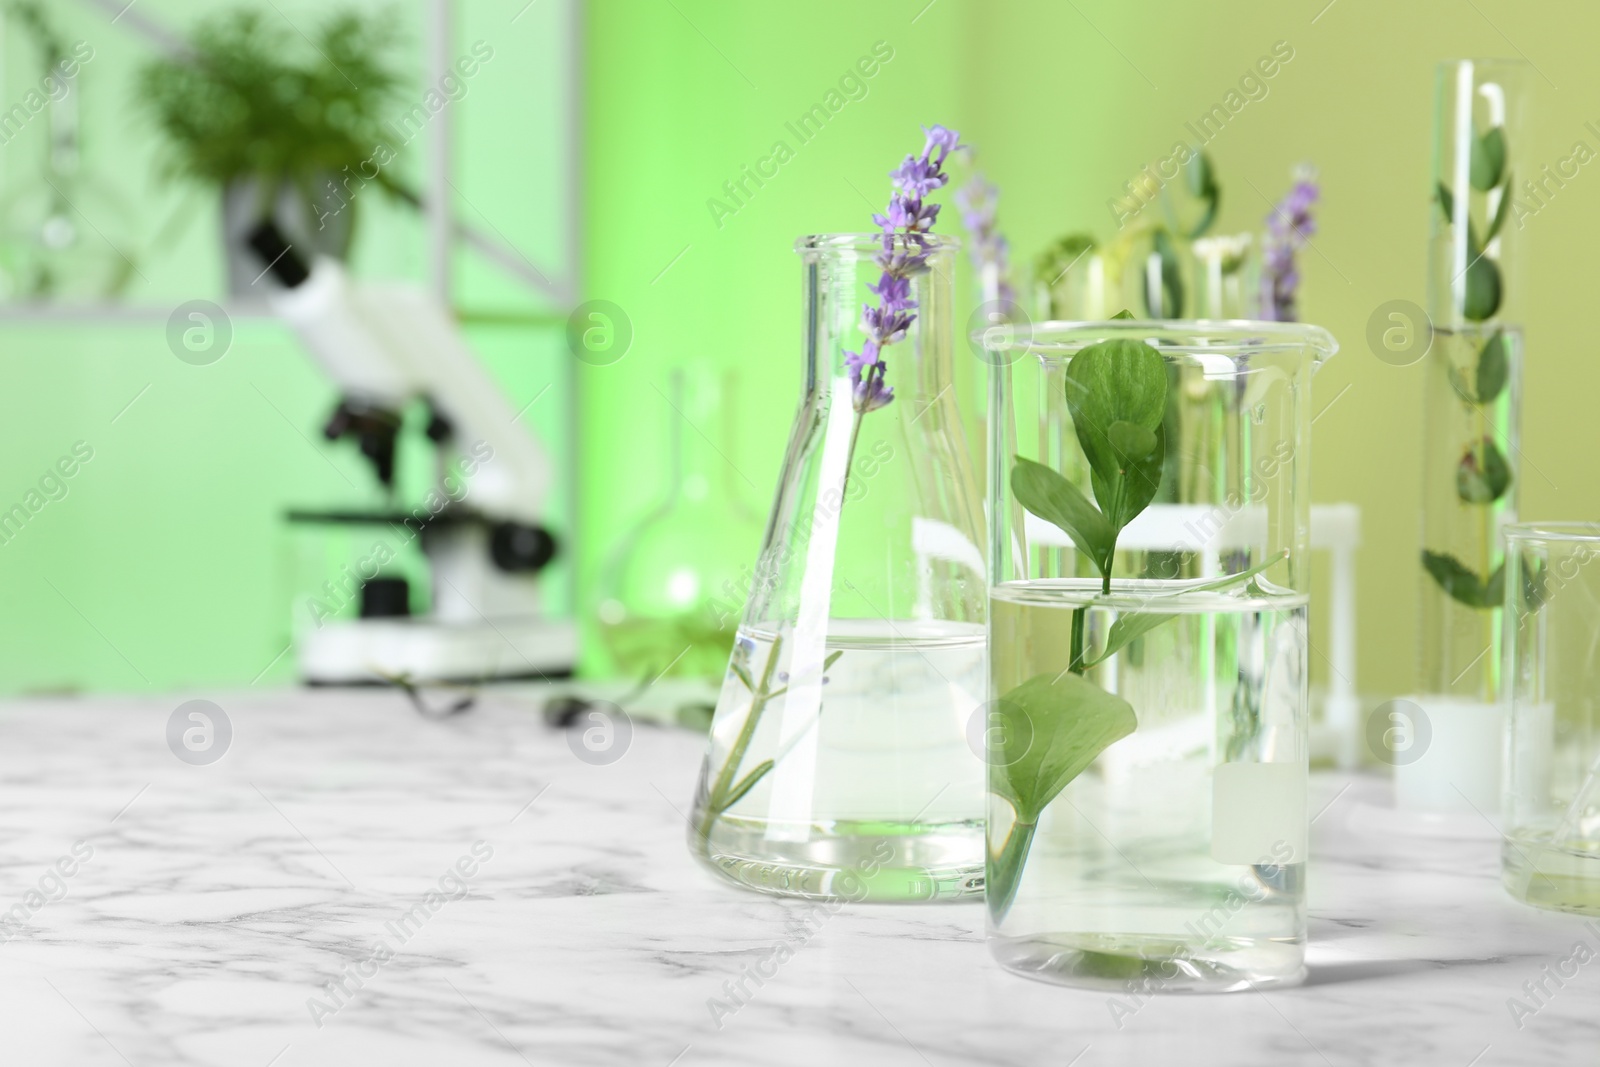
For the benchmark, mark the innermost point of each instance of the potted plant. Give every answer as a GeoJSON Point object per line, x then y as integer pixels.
{"type": "Point", "coordinates": [286, 126]}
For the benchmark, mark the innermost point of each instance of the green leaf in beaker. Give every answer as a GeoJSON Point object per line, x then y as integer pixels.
{"type": "Point", "coordinates": [1482, 297]}
{"type": "Point", "coordinates": [1488, 159]}
{"type": "Point", "coordinates": [1057, 501]}
{"type": "Point", "coordinates": [1483, 475]}
{"type": "Point", "coordinates": [1492, 367]}
{"type": "Point", "coordinates": [1120, 381]}
{"type": "Point", "coordinates": [1461, 583]}
{"type": "Point", "coordinates": [1500, 213]}
{"type": "Point", "coordinates": [1051, 728]}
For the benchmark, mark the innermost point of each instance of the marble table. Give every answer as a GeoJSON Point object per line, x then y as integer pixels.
{"type": "Point", "coordinates": [167, 913]}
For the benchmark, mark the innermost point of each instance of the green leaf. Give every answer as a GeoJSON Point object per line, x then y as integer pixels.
{"type": "Point", "coordinates": [1051, 728]}
{"type": "Point", "coordinates": [1060, 503]}
{"type": "Point", "coordinates": [1483, 475]}
{"type": "Point", "coordinates": [1170, 303]}
{"type": "Point", "coordinates": [1123, 314]}
{"type": "Point", "coordinates": [1130, 440]}
{"type": "Point", "coordinates": [1128, 490]}
{"type": "Point", "coordinates": [1464, 585]}
{"type": "Point", "coordinates": [1494, 593]}
{"type": "Point", "coordinates": [833, 657]}
{"type": "Point", "coordinates": [1201, 179]}
{"type": "Point", "coordinates": [1492, 368]}
{"type": "Point", "coordinates": [1119, 381]}
{"type": "Point", "coordinates": [1488, 159]}
{"type": "Point", "coordinates": [1131, 625]}
{"type": "Point", "coordinates": [1458, 382]}
{"type": "Point", "coordinates": [1198, 175]}
{"type": "Point", "coordinates": [1501, 211]}
{"type": "Point", "coordinates": [1454, 578]}
{"type": "Point", "coordinates": [1482, 298]}
{"type": "Point", "coordinates": [1447, 203]}
{"type": "Point", "coordinates": [746, 784]}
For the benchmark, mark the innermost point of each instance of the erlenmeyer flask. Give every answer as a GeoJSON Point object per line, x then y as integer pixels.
{"type": "Point", "coordinates": [839, 763]}
{"type": "Point", "coordinates": [670, 593]}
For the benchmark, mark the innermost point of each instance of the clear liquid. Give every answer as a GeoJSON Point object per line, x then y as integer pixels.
{"type": "Point", "coordinates": [1562, 877]}
{"type": "Point", "coordinates": [1119, 890]}
{"type": "Point", "coordinates": [874, 792]}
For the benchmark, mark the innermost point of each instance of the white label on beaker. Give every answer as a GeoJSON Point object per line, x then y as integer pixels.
{"type": "Point", "coordinates": [1258, 813]}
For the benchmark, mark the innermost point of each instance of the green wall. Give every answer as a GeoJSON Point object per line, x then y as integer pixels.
{"type": "Point", "coordinates": [1066, 102]}
{"type": "Point", "coordinates": [167, 563]}
{"type": "Point", "coordinates": [167, 555]}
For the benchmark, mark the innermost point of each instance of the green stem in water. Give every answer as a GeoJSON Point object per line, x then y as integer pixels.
{"type": "Point", "coordinates": [719, 800]}
{"type": "Point", "coordinates": [1005, 870]}
{"type": "Point", "coordinates": [1075, 664]}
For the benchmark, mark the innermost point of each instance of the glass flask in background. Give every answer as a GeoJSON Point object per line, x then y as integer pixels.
{"type": "Point", "coordinates": [672, 591]}
{"type": "Point", "coordinates": [65, 235]}
{"type": "Point", "coordinates": [839, 763]}
{"type": "Point", "coordinates": [1551, 854]}
{"type": "Point", "coordinates": [1147, 730]}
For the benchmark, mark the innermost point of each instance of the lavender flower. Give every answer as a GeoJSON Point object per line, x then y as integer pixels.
{"type": "Point", "coordinates": [903, 224]}
{"type": "Point", "coordinates": [1288, 228]}
{"type": "Point", "coordinates": [979, 202]}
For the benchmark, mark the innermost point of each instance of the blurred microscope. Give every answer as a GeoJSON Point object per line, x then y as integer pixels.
{"type": "Point", "coordinates": [385, 346]}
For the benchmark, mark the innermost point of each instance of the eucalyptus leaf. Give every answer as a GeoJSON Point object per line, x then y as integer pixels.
{"type": "Point", "coordinates": [1458, 382]}
{"type": "Point", "coordinates": [1482, 297]}
{"type": "Point", "coordinates": [1447, 202]}
{"type": "Point", "coordinates": [1458, 582]}
{"type": "Point", "coordinates": [1494, 593]}
{"type": "Point", "coordinates": [1483, 475]}
{"type": "Point", "coordinates": [1488, 159]}
{"type": "Point", "coordinates": [1492, 368]}
{"type": "Point", "coordinates": [1051, 728]}
{"type": "Point", "coordinates": [1057, 501]}
{"type": "Point", "coordinates": [1501, 211]}
{"type": "Point", "coordinates": [1461, 583]}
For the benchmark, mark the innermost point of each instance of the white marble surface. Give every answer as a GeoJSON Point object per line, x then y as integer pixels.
{"type": "Point", "coordinates": [219, 899]}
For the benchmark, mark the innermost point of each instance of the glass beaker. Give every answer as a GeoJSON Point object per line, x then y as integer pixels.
{"type": "Point", "coordinates": [1148, 729]}
{"type": "Point", "coordinates": [1551, 854]}
{"type": "Point", "coordinates": [838, 763]}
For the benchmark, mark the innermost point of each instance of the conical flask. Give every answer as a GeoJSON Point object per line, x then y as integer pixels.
{"type": "Point", "coordinates": [839, 762]}
{"type": "Point", "coordinates": [665, 606]}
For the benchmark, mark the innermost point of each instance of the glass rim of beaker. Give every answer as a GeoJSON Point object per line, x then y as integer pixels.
{"type": "Point", "coordinates": [1484, 61]}
{"type": "Point", "coordinates": [1064, 338]}
{"type": "Point", "coordinates": [873, 242]}
{"type": "Point", "coordinates": [1566, 530]}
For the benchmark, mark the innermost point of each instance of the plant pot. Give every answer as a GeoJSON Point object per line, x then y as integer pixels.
{"type": "Point", "coordinates": [318, 224]}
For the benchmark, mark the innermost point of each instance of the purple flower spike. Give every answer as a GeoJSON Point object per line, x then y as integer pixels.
{"type": "Point", "coordinates": [1288, 228]}
{"type": "Point", "coordinates": [979, 202]}
{"type": "Point", "coordinates": [903, 223]}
